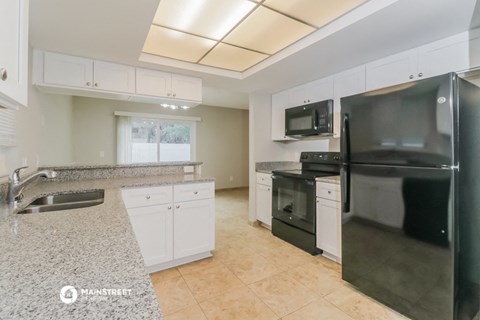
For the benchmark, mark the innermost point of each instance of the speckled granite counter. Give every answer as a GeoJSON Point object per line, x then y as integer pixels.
{"type": "Point", "coordinates": [329, 179]}
{"type": "Point", "coordinates": [89, 248]}
{"type": "Point", "coordinates": [268, 167]}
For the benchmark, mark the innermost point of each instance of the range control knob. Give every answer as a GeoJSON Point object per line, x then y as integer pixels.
{"type": "Point", "coordinates": [336, 158]}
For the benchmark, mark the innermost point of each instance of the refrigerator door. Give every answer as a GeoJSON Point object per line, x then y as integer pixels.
{"type": "Point", "coordinates": [397, 237]}
{"type": "Point", "coordinates": [409, 124]}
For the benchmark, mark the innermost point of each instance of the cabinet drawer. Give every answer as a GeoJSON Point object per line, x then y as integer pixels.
{"type": "Point", "coordinates": [264, 178]}
{"type": "Point", "coordinates": [193, 191]}
{"type": "Point", "coordinates": [141, 197]}
{"type": "Point", "coordinates": [328, 191]}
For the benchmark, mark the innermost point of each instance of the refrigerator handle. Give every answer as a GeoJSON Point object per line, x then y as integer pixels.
{"type": "Point", "coordinates": [345, 150]}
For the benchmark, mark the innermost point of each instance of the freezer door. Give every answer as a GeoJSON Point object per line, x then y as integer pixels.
{"type": "Point", "coordinates": [397, 238]}
{"type": "Point", "coordinates": [409, 124]}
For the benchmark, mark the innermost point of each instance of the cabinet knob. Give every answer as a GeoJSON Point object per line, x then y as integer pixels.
{"type": "Point", "coordinates": [96, 84]}
{"type": "Point", "coordinates": [3, 74]}
{"type": "Point", "coordinates": [177, 206]}
{"type": "Point", "coordinates": [329, 192]}
{"type": "Point", "coordinates": [169, 94]}
{"type": "Point", "coordinates": [268, 189]}
{"type": "Point", "coordinates": [88, 83]}
{"type": "Point", "coordinates": [420, 75]}
{"type": "Point", "coordinates": [411, 77]}
{"type": "Point", "coordinates": [195, 192]}
{"type": "Point", "coordinates": [147, 197]}
{"type": "Point", "coordinates": [174, 94]}
{"type": "Point", "coordinates": [169, 207]}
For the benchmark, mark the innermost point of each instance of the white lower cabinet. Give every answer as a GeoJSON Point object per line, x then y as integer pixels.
{"type": "Point", "coordinates": [329, 222]}
{"type": "Point", "coordinates": [263, 199]}
{"type": "Point", "coordinates": [171, 232]}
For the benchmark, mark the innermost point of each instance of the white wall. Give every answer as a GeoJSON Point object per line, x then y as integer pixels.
{"type": "Point", "coordinates": [222, 136]}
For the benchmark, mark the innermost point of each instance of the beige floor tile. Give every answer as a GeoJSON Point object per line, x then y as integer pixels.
{"type": "Point", "coordinates": [317, 310]}
{"type": "Point", "coordinates": [318, 278]}
{"type": "Point", "coordinates": [190, 313]}
{"type": "Point", "coordinates": [359, 306]}
{"type": "Point", "coordinates": [287, 256]}
{"type": "Point", "coordinates": [237, 304]}
{"type": "Point", "coordinates": [328, 263]}
{"type": "Point", "coordinates": [232, 252]}
{"type": "Point", "coordinates": [252, 268]}
{"type": "Point", "coordinates": [208, 282]}
{"type": "Point", "coordinates": [173, 295]}
{"type": "Point", "coordinates": [198, 265]}
{"type": "Point", "coordinates": [164, 275]}
{"type": "Point", "coordinates": [283, 294]}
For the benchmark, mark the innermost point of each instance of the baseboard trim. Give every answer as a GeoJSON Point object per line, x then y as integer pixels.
{"type": "Point", "coordinates": [177, 262]}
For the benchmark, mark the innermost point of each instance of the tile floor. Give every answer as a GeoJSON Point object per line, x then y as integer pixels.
{"type": "Point", "coordinates": [254, 275]}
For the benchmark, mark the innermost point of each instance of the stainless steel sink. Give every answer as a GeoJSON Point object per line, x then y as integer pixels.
{"type": "Point", "coordinates": [65, 201]}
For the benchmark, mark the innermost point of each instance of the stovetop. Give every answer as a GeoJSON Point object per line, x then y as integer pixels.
{"type": "Point", "coordinates": [314, 165]}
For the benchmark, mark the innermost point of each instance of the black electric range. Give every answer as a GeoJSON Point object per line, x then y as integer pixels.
{"type": "Point", "coordinates": [293, 198]}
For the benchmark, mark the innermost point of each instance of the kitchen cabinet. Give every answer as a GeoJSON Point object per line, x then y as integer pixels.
{"type": "Point", "coordinates": [167, 85]}
{"type": "Point", "coordinates": [263, 199]}
{"type": "Point", "coordinates": [314, 91]}
{"type": "Point", "coordinates": [69, 71]}
{"type": "Point", "coordinates": [173, 224]}
{"type": "Point", "coordinates": [451, 54]}
{"type": "Point", "coordinates": [329, 220]}
{"type": "Point", "coordinates": [279, 104]}
{"type": "Point", "coordinates": [345, 84]}
{"type": "Point", "coordinates": [13, 53]}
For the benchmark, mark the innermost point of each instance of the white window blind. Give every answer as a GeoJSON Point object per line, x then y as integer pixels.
{"type": "Point", "coordinates": [7, 127]}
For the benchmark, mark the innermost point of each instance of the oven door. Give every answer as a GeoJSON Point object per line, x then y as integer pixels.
{"type": "Point", "coordinates": [293, 202]}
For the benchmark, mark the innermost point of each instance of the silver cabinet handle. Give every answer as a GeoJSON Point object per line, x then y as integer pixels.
{"type": "Point", "coordinates": [329, 192]}
{"type": "Point", "coordinates": [177, 206]}
{"type": "Point", "coordinates": [169, 207]}
{"type": "Point", "coordinates": [3, 74]}
{"type": "Point", "coordinates": [147, 197]}
{"type": "Point", "coordinates": [96, 84]}
{"type": "Point", "coordinates": [169, 94]}
{"type": "Point", "coordinates": [420, 75]}
{"type": "Point", "coordinates": [411, 76]}
{"type": "Point", "coordinates": [268, 189]}
{"type": "Point", "coordinates": [195, 192]}
{"type": "Point", "coordinates": [88, 83]}
{"type": "Point", "coordinates": [174, 94]}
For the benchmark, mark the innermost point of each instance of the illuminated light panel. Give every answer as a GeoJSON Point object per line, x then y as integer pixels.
{"type": "Point", "coordinates": [177, 45]}
{"type": "Point", "coordinates": [208, 18]}
{"type": "Point", "coordinates": [315, 12]}
{"type": "Point", "coordinates": [267, 31]}
{"type": "Point", "coordinates": [233, 58]}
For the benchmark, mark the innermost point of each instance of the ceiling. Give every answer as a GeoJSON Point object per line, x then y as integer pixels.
{"type": "Point", "coordinates": [115, 31]}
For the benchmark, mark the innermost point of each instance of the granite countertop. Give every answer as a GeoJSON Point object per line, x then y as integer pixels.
{"type": "Point", "coordinates": [268, 167]}
{"type": "Point", "coordinates": [115, 166]}
{"type": "Point", "coordinates": [90, 249]}
{"type": "Point", "coordinates": [329, 179]}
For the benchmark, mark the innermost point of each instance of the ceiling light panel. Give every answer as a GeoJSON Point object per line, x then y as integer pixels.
{"type": "Point", "coordinates": [267, 31]}
{"type": "Point", "coordinates": [233, 58]}
{"type": "Point", "coordinates": [177, 45]}
{"type": "Point", "coordinates": [208, 18]}
{"type": "Point", "coordinates": [315, 12]}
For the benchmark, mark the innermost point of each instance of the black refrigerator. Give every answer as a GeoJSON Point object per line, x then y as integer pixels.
{"type": "Point", "coordinates": [411, 196]}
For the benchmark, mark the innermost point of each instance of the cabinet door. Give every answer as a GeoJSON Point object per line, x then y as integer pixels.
{"type": "Point", "coordinates": [194, 228]}
{"type": "Point", "coordinates": [392, 70]}
{"type": "Point", "coordinates": [279, 104]}
{"type": "Point", "coordinates": [329, 226]}
{"type": "Point", "coordinates": [13, 53]}
{"type": "Point", "coordinates": [153, 229]}
{"type": "Point", "coordinates": [297, 96]}
{"type": "Point", "coordinates": [142, 197]}
{"type": "Point", "coordinates": [153, 83]}
{"type": "Point", "coordinates": [447, 55]}
{"type": "Point", "coordinates": [320, 90]}
{"type": "Point", "coordinates": [263, 203]}
{"type": "Point", "coordinates": [186, 88]}
{"type": "Point", "coordinates": [67, 71]}
{"type": "Point", "coordinates": [347, 83]}
{"type": "Point", "coordinates": [113, 77]}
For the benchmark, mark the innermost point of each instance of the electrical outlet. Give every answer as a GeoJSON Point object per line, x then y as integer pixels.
{"type": "Point", "coordinates": [24, 161]}
{"type": "Point", "coordinates": [231, 178]}
{"type": "Point", "coordinates": [102, 154]}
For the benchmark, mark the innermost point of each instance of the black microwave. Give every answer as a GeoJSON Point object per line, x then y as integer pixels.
{"type": "Point", "coordinates": [310, 119]}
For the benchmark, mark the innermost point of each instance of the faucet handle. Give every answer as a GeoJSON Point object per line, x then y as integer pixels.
{"type": "Point", "coordinates": [15, 177]}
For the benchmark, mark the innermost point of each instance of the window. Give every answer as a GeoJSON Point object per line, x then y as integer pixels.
{"type": "Point", "coordinates": [147, 138]}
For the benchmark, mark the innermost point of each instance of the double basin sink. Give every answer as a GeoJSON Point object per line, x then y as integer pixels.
{"type": "Point", "coordinates": [65, 201]}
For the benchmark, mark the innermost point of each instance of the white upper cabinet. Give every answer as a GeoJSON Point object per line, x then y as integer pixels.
{"type": "Point", "coordinates": [113, 77]}
{"type": "Point", "coordinates": [452, 54]}
{"type": "Point", "coordinates": [13, 53]}
{"type": "Point", "coordinates": [63, 70]}
{"type": "Point", "coordinates": [279, 104]}
{"type": "Point", "coordinates": [69, 71]}
{"type": "Point", "coordinates": [314, 91]}
{"type": "Point", "coordinates": [168, 85]}
{"type": "Point", "coordinates": [345, 84]}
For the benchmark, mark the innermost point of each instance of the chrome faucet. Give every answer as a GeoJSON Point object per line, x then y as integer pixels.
{"type": "Point", "coordinates": [15, 186]}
